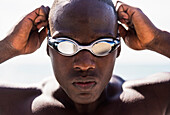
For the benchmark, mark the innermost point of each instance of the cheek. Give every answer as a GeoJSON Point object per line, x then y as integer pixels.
{"type": "Point", "coordinates": [61, 66]}
{"type": "Point", "coordinates": [107, 66]}
{"type": "Point", "coordinates": [107, 63]}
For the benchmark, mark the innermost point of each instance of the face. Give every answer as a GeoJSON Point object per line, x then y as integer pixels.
{"type": "Point", "coordinates": [83, 76]}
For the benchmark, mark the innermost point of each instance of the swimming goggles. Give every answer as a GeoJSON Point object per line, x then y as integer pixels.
{"type": "Point", "coordinates": [69, 47]}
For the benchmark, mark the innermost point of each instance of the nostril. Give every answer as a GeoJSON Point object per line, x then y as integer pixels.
{"type": "Point", "coordinates": [83, 68]}
{"type": "Point", "coordinates": [77, 68]}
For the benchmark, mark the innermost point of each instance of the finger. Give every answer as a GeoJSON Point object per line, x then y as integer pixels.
{"type": "Point", "coordinates": [123, 17]}
{"type": "Point", "coordinates": [33, 15]}
{"type": "Point", "coordinates": [44, 11]}
{"type": "Point", "coordinates": [40, 19]}
{"type": "Point", "coordinates": [47, 10]}
{"type": "Point", "coordinates": [42, 15]}
{"type": "Point", "coordinates": [38, 15]}
{"type": "Point", "coordinates": [43, 34]}
{"type": "Point", "coordinates": [122, 31]}
{"type": "Point", "coordinates": [42, 24]}
{"type": "Point", "coordinates": [126, 8]}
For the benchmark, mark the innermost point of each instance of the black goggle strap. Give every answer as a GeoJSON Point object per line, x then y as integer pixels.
{"type": "Point", "coordinates": [48, 33]}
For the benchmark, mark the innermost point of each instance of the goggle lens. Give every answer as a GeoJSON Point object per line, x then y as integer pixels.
{"type": "Point", "coordinates": [101, 48]}
{"type": "Point", "coordinates": [67, 47]}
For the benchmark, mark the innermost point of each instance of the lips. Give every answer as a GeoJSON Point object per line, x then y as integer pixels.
{"type": "Point", "coordinates": [84, 85]}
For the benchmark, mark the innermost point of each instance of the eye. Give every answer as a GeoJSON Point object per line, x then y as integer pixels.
{"type": "Point", "coordinates": [67, 47]}
{"type": "Point", "coordinates": [101, 48]}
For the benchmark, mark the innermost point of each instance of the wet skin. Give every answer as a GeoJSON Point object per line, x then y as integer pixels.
{"type": "Point", "coordinates": [83, 79]}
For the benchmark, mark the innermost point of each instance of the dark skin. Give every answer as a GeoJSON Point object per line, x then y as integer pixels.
{"type": "Point", "coordinates": [148, 96]}
{"type": "Point", "coordinates": [84, 66]}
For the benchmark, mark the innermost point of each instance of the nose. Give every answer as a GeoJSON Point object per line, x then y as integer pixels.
{"type": "Point", "coordinates": [84, 61]}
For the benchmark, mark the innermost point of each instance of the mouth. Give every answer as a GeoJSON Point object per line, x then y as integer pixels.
{"type": "Point", "coordinates": [84, 85]}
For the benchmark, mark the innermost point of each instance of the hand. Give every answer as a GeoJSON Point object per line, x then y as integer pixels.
{"type": "Point", "coordinates": [141, 31]}
{"type": "Point", "coordinates": [25, 37]}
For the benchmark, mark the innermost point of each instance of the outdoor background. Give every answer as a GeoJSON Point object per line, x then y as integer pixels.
{"type": "Point", "coordinates": [37, 66]}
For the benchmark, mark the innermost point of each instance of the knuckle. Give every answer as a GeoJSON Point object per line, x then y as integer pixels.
{"type": "Point", "coordinates": [137, 9]}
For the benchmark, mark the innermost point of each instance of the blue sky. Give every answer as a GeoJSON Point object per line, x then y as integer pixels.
{"type": "Point", "coordinates": [12, 11]}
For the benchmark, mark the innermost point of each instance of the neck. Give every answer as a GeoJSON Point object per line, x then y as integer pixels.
{"type": "Point", "coordinates": [80, 108]}
{"type": "Point", "coordinates": [91, 107]}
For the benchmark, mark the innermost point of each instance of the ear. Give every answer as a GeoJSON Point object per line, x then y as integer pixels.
{"type": "Point", "coordinates": [118, 51]}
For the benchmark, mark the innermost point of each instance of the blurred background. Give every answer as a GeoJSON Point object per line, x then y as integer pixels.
{"type": "Point", "coordinates": [34, 67]}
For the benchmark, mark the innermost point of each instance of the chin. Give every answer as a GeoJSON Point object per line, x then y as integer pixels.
{"type": "Point", "coordinates": [84, 102]}
{"type": "Point", "coordinates": [85, 98]}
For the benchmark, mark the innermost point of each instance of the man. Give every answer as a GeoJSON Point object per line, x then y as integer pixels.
{"type": "Point", "coordinates": [78, 30]}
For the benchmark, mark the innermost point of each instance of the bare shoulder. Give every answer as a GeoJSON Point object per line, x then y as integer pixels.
{"type": "Point", "coordinates": [152, 92]}
{"type": "Point", "coordinates": [13, 96]}
{"type": "Point", "coordinates": [47, 98]}
{"type": "Point", "coordinates": [17, 91]}
{"type": "Point", "coordinates": [155, 79]}
{"type": "Point", "coordinates": [158, 83]}
{"type": "Point", "coordinates": [20, 89]}
{"type": "Point", "coordinates": [28, 98]}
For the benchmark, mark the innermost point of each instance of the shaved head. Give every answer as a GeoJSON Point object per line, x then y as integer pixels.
{"type": "Point", "coordinates": [60, 6]}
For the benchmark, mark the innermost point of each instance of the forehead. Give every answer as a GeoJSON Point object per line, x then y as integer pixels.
{"type": "Point", "coordinates": [85, 18]}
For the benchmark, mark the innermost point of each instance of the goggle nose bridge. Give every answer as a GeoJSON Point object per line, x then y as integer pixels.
{"type": "Point", "coordinates": [80, 47]}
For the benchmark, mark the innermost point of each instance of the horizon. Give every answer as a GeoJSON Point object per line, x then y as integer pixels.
{"type": "Point", "coordinates": [12, 11]}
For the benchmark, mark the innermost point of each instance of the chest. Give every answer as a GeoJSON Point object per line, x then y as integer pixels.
{"type": "Point", "coordinates": [118, 108]}
{"type": "Point", "coordinates": [128, 103]}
